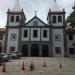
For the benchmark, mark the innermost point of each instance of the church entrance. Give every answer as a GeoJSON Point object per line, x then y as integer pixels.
{"type": "Point", "coordinates": [25, 50]}
{"type": "Point", "coordinates": [45, 51]}
{"type": "Point", "coordinates": [0, 49]}
{"type": "Point", "coordinates": [35, 50]}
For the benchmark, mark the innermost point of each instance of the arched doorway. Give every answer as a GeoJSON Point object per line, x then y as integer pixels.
{"type": "Point", "coordinates": [25, 50]}
{"type": "Point", "coordinates": [45, 51]}
{"type": "Point", "coordinates": [35, 50]}
{"type": "Point", "coordinates": [0, 49]}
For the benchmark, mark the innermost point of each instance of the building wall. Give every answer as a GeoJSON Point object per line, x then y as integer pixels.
{"type": "Point", "coordinates": [14, 23]}
{"type": "Point", "coordinates": [32, 38]}
{"type": "Point", "coordinates": [40, 45]}
{"type": "Point", "coordinates": [27, 38]}
{"type": "Point", "coordinates": [70, 44]}
{"type": "Point", "coordinates": [13, 43]}
{"type": "Point", "coordinates": [35, 19]}
{"type": "Point", "coordinates": [59, 43]}
{"type": "Point", "coordinates": [42, 38]}
{"type": "Point", "coordinates": [40, 34]}
{"type": "Point", "coordinates": [2, 42]}
{"type": "Point", "coordinates": [57, 23]}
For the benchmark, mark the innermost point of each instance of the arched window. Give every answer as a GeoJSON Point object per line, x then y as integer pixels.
{"type": "Point", "coordinates": [17, 18]}
{"type": "Point", "coordinates": [12, 19]}
{"type": "Point", "coordinates": [54, 19]}
{"type": "Point", "coordinates": [59, 18]}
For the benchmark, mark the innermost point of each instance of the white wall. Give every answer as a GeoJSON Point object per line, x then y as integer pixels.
{"type": "Point", "coordinates": [40, 31]}
{"type": "Point", "coordinates": [10, 42]}
{"type": "Point", "coordinates": [57, 23]}
{"type": "Point", "coordinates": [35, 39]}
{"type": "Point", "coordinates": [23, 38]}
{"type": "Point", "coordinates": [14, 23]}
{"type": "Point", "coordinates": [35, 19]}
{"type": "Point", "coordinates": [42, 38]}
{"type": "Point", "coordinates": [58, 43]}
{"type": "Point", "coordinates": [40, 34]}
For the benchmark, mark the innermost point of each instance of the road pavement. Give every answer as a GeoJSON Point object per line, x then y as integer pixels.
{"type": "Point", "coordinates": [14, 67]}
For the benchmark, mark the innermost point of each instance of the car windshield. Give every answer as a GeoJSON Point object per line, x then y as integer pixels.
{"type": "Point", "coordinates": [9, 54]}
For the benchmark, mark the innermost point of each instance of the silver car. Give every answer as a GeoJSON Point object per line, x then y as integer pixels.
{"type": "Point", "coordinates": [4, 56]}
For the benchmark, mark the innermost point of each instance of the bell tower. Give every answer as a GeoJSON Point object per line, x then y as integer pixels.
{"type": "Point", "coordinates": [15, 19]}
{"type": "Point", "coordinates": [56, 20]}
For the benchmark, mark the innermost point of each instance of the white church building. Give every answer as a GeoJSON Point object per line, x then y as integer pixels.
{"type": "Point", "coordinates": [36, 38]}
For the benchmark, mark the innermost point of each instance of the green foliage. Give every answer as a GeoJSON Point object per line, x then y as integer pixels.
{"type": "Point", "coordinates": [71, 17]}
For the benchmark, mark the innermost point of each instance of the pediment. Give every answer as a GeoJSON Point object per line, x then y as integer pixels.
{"type": "Point", "coordinates": [35, 21]}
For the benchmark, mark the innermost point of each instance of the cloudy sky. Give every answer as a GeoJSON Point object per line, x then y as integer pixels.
{"type": "Point", "coordinates": [29, 6]}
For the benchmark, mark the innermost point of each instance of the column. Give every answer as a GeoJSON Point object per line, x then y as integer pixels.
{"type": "Point", "coordinates": [51, 53]}
{"type": "Point", "coordinates": [29, 51]}
{"type": "Point", "coordinates": [40, 51]}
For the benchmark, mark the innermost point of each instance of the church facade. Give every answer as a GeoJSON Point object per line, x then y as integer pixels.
{"type": "Point", "coordinates": [36, 38]}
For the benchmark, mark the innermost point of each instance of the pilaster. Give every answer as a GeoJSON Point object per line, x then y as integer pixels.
{"type": "Point", "coordinates": [40, 51]}
{"type": "Point", "coordinates": [29, 51]}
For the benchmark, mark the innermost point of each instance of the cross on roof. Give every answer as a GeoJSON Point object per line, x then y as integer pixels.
{"type": "Point", "coordinates": [36, 13]}
{"type": "Point", "coordinates": [17, 0]}
{"type": "Point", "coordinates": [55, 0]}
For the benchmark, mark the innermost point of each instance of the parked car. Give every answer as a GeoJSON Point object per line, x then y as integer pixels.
{"type": "Point", "coordinates": [19, 54]}
{"type": "Point", "coordinates": [10, 55]}
{"type": "Point", "coordinates": [13, 55]}
{"type": "Point", "coordinates": [1, 59]}
{"type": "Point", "coordinates": [4, 56]}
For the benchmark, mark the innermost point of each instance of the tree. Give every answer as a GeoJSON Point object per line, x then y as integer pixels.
{"type": "Point", "coordinates": [71, 17]}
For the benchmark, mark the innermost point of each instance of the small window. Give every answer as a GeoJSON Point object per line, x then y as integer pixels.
{"type": "Point", "coordinates": [71, 51]}
{"type": "Point", "coordinates": [12, 19]}
{"type": "Point", "coordinates": [54, 19]}
{"type": "Point", "coordinates": [0, 44]}
{"type": "Point", "coordinates": [59, 18]}
{"type": "Point", "coordinates": [35, 33]}
{"type": "Point", "coordinates": [25, 33]}
{"type": "Point", "coordinates": [57, 50]}
{"type": "Point", "coordinates": [44, 33]}
{"type": "Point", "coordinates": [57, 37]}
{"type": "Point", "coordinates": [13, 37]}
{"type": "Point", "coordinates": [70, 37]}
{"type": "Point", "coordinates": [35, 23]}
{"type": "Point", "coordinates": [1, 36]}
{"type": "Point", "coordinates": [12, 49]}
{"type": "Point", "coordinates": [17, 18]}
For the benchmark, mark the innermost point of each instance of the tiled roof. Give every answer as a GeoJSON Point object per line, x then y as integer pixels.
{"type": "Point", "coordinates": [2, 29]}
